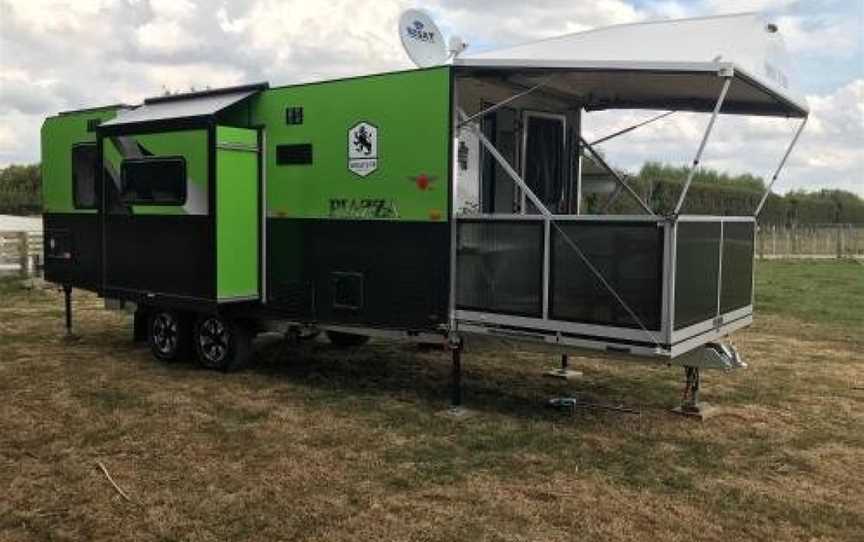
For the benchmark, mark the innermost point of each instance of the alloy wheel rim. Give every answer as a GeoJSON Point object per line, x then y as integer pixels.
{"type": "Point", "coordinates": [165, 333]}
{"type": "Point", "coordinates": [213, 340]}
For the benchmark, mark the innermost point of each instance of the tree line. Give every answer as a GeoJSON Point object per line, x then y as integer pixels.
{"type": "Point", "coordinates": [716, 193]}
{"type": "Point", "coordinates": [712, 192]}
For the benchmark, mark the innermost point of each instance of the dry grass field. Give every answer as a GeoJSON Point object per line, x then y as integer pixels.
{"type": "Point", "coordinates": [318, 443]}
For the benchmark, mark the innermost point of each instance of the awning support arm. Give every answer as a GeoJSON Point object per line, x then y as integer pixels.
{"type": "Point", "coordinates": [704, 142]}
{"type": "Point", "coordinates": [599, 159]}
{"type": "Point", "coordinates": [780, 167]}
{"type": "Point", "coordinates": [631, 128]}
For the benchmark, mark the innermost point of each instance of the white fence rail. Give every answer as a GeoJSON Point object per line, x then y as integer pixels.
{"type": "Point", "coordinates": [811, 241]}
{"type": "Point", "coordinates": [21, 251]}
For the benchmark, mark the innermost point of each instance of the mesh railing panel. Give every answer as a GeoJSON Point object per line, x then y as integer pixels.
{"type": "Point", "coordinates": [696, 272]}
{"type": "Point", "coordinates": [737, 276]}
{"type": "Point", "coordinates": [500, 267]}
{"type": "Point", "coordinates": [629, 257]}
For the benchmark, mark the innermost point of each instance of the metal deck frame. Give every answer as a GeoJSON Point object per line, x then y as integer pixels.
{"type": "Point", "coordinates": [665, 343]}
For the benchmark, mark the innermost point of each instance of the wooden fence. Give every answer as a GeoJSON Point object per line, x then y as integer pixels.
{"type": "Point", "coordinates": [811, 241]}
{"type": "Point", "coordinates": [21, 251]}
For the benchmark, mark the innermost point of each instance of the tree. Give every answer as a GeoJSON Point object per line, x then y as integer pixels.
{"type": "Point", "coordinates": [20, 189]}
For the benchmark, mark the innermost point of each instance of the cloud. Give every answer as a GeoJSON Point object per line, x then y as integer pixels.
{"type": "Point", "coordinates": [57, 55]}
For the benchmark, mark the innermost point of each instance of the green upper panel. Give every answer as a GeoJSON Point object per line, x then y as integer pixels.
{"type": "Point", "coordinates": [59, 134]}
{"type": "Point", "coordinates": [379, 147]}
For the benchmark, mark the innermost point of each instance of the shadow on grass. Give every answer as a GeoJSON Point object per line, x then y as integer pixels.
{"type": "Point", "coordinates": [495, 382]}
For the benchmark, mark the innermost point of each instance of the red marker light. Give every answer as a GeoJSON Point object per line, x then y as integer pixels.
{"type": "Point", "coordinates": [422, 181]}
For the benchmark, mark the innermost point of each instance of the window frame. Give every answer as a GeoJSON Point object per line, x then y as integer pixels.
{"type": "Point", "coordinates": [75, 202]}
{"type": "Point", "coordinates": [150, 159]}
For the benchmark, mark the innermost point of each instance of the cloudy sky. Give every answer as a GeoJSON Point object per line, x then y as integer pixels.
{"type": "Point", "coordinates": [58, 55]}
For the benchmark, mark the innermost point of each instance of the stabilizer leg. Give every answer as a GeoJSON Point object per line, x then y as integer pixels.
{"type": "Point", "coordinates": [690, 404]}
{"type": "Point", "coordinates": [67, 299]}
{"type": "Point", "coordinates": [564, 372]}
{"type": "Point", "coordinates": [454, 343]}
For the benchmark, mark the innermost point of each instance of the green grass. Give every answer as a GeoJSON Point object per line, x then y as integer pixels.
{"type": "Point", "coordinates": [829, 293]}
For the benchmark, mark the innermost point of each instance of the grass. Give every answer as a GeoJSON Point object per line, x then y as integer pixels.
{"type": "Point", "coordinates": [317, 443]}
{"type": "Point", "coordinates": [829, 293]}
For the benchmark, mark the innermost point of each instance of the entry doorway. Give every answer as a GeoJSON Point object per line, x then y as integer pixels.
{"type": "Point", "coordinates": [544, 148]}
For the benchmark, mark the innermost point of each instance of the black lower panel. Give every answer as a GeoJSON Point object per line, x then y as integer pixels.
{"type": "Point", "coordinates": [72, 249]}
{"type": "Point", "coordinates": [359, 272]}
{"type": "Point", "coordinates": [161, 254]}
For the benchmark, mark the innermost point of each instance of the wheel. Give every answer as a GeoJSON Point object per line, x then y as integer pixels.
{"type": "Point", "coordinates": [168, 334]}
{"type": "Point", "coordinates": [339, 338]}
{"type": "Point", "coordinates": [222, 344]}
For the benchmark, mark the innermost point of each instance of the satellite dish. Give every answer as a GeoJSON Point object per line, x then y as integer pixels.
{"type": "Point", "coordinates": [422, 40]}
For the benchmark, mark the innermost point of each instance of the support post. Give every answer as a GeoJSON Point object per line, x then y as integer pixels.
{"type": "Point", "coordinates": [564, 372]}
{"type": "Point", "coordinates": [67, 298]}
{"type": "Point", "coordinates": [455, 344]}
{"type": "Point", "coordinates": [697, 159]}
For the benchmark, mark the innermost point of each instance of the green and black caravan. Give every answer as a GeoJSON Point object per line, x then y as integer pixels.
{"type": "Point", "coordinates": [434, 204]}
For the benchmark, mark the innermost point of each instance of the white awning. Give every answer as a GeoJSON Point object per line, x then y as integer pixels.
{"type": "Point", "coordinates": [658, 65]}
{"type": "Point", "coordinates": [194, 105]}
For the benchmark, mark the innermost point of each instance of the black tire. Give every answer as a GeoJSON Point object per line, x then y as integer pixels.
{"type": "Point", "coordinates": [339, 338]}
{"type": "Point", "coordinates": [222, 344]}
{"type": "Point", "coordinates": [169, 334]}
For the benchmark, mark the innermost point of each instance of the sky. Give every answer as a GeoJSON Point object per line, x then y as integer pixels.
{"type": "Point", "coordinates": [61, 55]}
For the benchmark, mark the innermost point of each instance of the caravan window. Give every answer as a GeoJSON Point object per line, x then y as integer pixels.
{"type": "Point", "coordinates": [84, 176]}
{"type": "Point", "coordinates": [154, 181]}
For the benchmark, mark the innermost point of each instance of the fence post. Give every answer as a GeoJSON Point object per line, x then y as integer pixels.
{"type": "Point", "coordinates": [773, 240]}
{"type": "Point", "coordinates": [22, 252]}
{"type": "Point", "coordinates": [761, 233]}
{"type": "Point", "coordinates": [839, 242]}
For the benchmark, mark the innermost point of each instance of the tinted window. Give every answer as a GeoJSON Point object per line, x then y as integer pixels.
{"type": "Point", "coordinates": [154, 181]}
{"type": "Point", "coordinates": [293, 155]}
{"type": "Point", "coordinates": [84, 176]}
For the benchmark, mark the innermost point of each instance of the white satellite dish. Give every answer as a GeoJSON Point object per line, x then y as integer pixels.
{"type": "Point", "coordinates": [422, 40]}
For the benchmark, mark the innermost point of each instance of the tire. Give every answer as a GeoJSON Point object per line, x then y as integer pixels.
{"type": "Point", "coordinates": [338, 338]}
{"type": "Point", "coordinates": [222, 344]}
{"type": "Point", "coordinates": [168, 335]}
